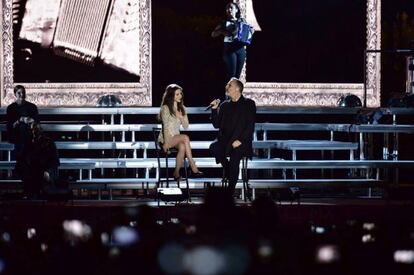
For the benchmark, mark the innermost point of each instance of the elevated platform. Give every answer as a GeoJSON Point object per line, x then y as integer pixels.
{"type": "Point", "coordinates": [113, 148]}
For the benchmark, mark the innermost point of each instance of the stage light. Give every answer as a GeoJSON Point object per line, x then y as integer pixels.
{"type": "Point", "coordinates": [104, 238]}
{"type": "Point", "coordinates": [368, 238]}
{"type": "Point", "coordinates": [109, 101]}
{"type": "Point", "coordinates": [75, 231]}
{"type": "Point", "coordinates": [265, 249]}
{"type": "Point", "coordinates": [237, 259]}
{"type": "Point", "coordinates": [191, 229]}
{"type": "Point", "coordinates": [175, 220]}
{"type": "Point", "coordinates": [114, 252]}
{"type": "Point", "coordinates": [318, 229]}
{"type": "Point", "coordinates": [2, 266]}
{"type": "Point", "coordinates": [44, 247]}
{"type": "Point", "coordinates": [368, 226]}
{"type": "Point", "coordinates": [327, 254]}
{"type": "Point", "coordinates": [31, 233]}
{"type": "Point", "coordinates": [5, 237]}
{"type": "Point", "coordinates": [171, 258]}
{"type": "Point", "coordinates": [204, 260]}
{"type": "Point", "coordinates": [124, 236]}
{"type": "Point", "coordinates": [404, 256]}
{"type": "Point", "coordinates": [350, 101]}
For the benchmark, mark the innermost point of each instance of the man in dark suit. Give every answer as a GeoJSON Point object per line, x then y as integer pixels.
{"type": "Point", "coordinates": [235, 120]}
{"type": "Point", "coordinates": [20, 114]}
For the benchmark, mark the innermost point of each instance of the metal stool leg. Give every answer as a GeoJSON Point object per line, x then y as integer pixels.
{"type": "Point", "coordinates": [186, 180]}
{"type": "Point", "coordinates": [245, 178]}
{"type": "Point", "coordinates": [166, 169]}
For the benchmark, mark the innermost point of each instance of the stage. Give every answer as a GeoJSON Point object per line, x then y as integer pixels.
{"type": "Point", "coordinates": [328, 188]}
{"type": "Point", "coordinates": [305, 211]}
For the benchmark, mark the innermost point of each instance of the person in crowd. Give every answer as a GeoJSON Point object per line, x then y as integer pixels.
{"type": "Point", "coordinates": [172, 115]}
{"type": "Point", "coordinates": [20, 115]}
{"type": "Point", "coordinates": [234, 52]}
{"type": "Point", "coordinates": [39, 163]}
{"type": "Point", "coordinates": [235, 120]}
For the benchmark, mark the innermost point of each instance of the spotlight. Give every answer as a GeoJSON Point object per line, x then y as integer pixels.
{"type": "Point", "coordinates": [368, 238]}
{"type": "Point", "coordinates": [368, 226]}
{"type": "Point", "coordinates": [327, 254]}
{"type": "Point", "coordinates": [318, 229]}
{"type": "Point", "coordinates": [404, 256]}
{"type": "Point", "coordinates": [31, 233]}
{"type": "Point", "coordinates": [124, 236]}
{"type": "Point", "coordinates": [350, 101]}
{"type": "Point", "coordinates": [109, 101]}
{"type": "Point", "coordinates": [76, 231]}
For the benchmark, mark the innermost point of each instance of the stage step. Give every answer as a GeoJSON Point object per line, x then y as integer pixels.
{"type": "Point", "coordinates": [144, 183]}
{"type": "Point", "coordinates": [138, 145]}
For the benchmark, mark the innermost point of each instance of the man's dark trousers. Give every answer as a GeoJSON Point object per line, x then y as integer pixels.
{"type": "Point", "coordinates": [231, 167]}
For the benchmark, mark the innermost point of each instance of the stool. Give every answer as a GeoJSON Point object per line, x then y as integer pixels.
{"type": "Point", "coordinates": [160, 153]}
{"type": "Point", "coordinates": [245, 179]}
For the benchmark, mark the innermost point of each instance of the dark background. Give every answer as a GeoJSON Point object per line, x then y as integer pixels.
{"type": "Point", "coordinates": [317, 41]}
{"type": "Point", "coordinates": [302, 41]}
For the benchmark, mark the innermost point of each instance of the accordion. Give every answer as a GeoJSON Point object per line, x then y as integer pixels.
{"type": "Point", "coordinates": [86, 31]}
{"type": "Point", "coordinates": [244, 33]}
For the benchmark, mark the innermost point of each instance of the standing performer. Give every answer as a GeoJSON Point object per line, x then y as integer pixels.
{"type": "Point", "coordinates": [234, 52]}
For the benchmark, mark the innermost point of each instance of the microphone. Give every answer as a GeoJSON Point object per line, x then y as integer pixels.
{"type": "Point", "coordinates": [211, 105]}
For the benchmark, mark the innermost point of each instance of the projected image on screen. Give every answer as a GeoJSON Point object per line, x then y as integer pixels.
{"type": "Point", "coordinates": [73, 52]}
{"type": "Point", "coordinates": [76, 41]}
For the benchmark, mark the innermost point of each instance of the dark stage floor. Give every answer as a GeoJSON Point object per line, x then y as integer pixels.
{"type": "Point", "coordinates": [307, 210]}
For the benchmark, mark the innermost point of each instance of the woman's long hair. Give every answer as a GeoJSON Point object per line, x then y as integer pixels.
{"type": "Point", "coordinates": [238, 13]}
{"type": "Point", "coordinates": [38, 135]}
{"type": "Point", "coordinates": [168, 99]}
